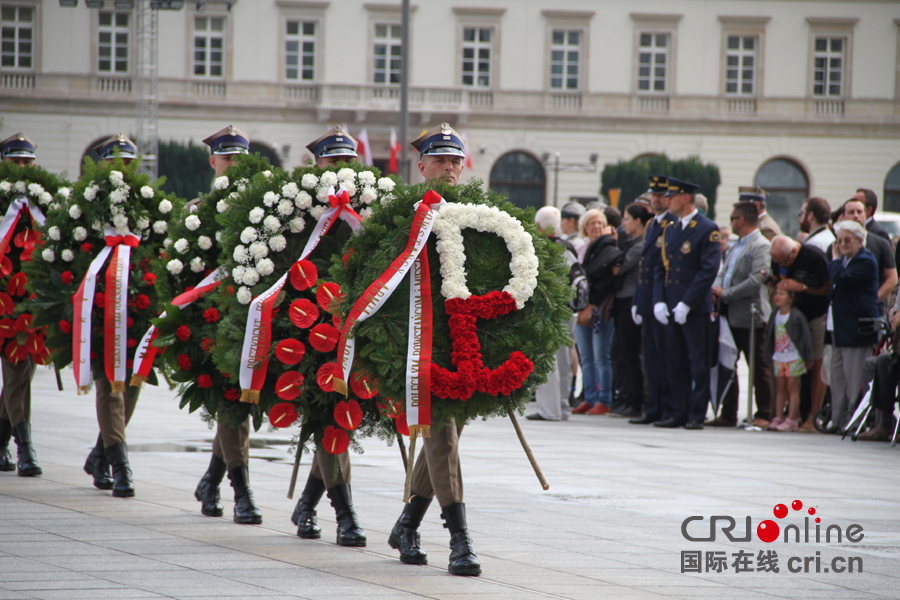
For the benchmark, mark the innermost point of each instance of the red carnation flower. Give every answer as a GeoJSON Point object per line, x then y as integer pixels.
{"type": "Point", "coordinates": [129, 322]}
{"type": "Point", "coordinates": [204, 381]}
{"type": "Point", "coordinates": [93, 355]}
{"type": "Point", "coordinates": [149, 278]}
{"type": "Point", "coordinates": [142, 302]}
{"type": "Point", "coordinates": [129, 364]}
{"type": "Point", "coordinates": [207, 344]}
{"type": "Point", "coordinates": [211, 315]}
{"type": "Point", "coordinates": [131, 343]}
{"type": "Point", "coordinates": [226, 375]}
{"type": "Point", "coordinates": [86, 248]}
{"type": "Point", "coordinates": [99, 299]}
{"type": "Point", "coordinates": [67, 277]}
{"type": "Point", "coordinates": [183, 333]}
{"type": "Point", "coordinates": [184, 362]}
{"type": "Point", "coordinates": [232, 394]}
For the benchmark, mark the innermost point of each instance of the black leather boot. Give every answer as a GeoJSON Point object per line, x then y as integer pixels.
{"type": "Point", "coordinates": [207, 491]}
{"type": "Point", "coordinates": [349, 531]}
{"type": "Point", "coordinates": [123, 484]}
{"type": "Point", "coordinates": [6, 461]}
{"type": "Point", "coordinates": [27, 463]}
{"type": "Point", "coordinates": [462, 555]}
{"type": "Point", "coordinates": [405, 534]}
{"type": "Point", "coordinates": [97, 466]}
{"type": "Point", "coordinates": [304, 516]}
{"type": "Point", "coordinates": [245, 510]}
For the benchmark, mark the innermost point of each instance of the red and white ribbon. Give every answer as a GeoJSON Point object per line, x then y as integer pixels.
{"type": "Point", "coordinates": [146, 353]}
{"type": "Point", "coordinates": [258, 331]}
{"type": "Point", "coordinates": [11, 219]}
{"type": "Point", "coordinates": [418, 371]}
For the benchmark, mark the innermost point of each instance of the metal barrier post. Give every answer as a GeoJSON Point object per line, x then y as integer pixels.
{"type": "Point", "coordinates": [751, 362]}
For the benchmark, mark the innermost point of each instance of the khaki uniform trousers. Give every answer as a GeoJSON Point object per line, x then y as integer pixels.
{"type": "Point", "coordinates": [114, 410]}
{"type": "Point", "coordinates": [323, 467]}
{"type": "Point", "coordinates": [232, 444]}
{"type": "Point", "coordinates": [437, 470]}
{"type": "Point", "coordinates": [15, 400]}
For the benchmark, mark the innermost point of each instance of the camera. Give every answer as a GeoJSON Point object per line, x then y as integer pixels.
{"type": "Point", "coordinates": [767, 278]}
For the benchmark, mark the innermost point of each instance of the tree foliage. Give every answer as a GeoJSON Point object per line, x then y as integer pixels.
{"type": "Point", "coordinates": [186, 169]}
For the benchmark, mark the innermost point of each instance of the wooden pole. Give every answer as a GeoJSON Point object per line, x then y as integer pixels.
{"type": "Point", "coordinates": [527, 449]}
{"type": "Point", "coordinates": [402, 445]}
{"type": "Point", "coordinates": [407, 493]}
{"type": "Point", "coordinates": [300, 444]}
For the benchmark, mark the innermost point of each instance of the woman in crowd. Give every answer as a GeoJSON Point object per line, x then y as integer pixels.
{"type": "Point", "coordinates": [853, 296]}
{"type": "Point", "coordinates": [593, 335]}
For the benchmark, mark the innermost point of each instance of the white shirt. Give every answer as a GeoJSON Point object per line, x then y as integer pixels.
{"type": "Point", "coordinates": [821, 238]}
{"type": "Point", "coordinates": [685, 221]}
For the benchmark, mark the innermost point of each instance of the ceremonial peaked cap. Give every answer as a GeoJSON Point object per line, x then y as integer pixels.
{"type": "Point", "coordinates": [106, 150]}
{"type": "Point", "coordinates": [17, 145]}
{"type": "Point", "coordinates": [658, 184]}
{"type": "Point", "coordinates": [752, 192]}
{"type": "Point", "coordinates": [230, 140]}
{"type": "Point", "coordinates": [681, 187]}
{"type": "Point", "coordinates": [335, 142]}
{"type": "Point", "coordinates": [440, 141]}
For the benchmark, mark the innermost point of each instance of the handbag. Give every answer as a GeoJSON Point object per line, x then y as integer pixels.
{"type": "Point", "coordinates": [585, 316]}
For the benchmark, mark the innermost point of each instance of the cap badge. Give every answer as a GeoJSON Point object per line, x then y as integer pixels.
{"type": "Point", "coordinates": [445, 129]}
{"type": "Point", "coordinates": [231, 130]}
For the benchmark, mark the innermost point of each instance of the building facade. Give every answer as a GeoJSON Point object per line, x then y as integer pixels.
{"type": "Point", "coordinates": [800, 97]}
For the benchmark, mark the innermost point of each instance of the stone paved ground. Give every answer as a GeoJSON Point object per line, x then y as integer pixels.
{"type": "Point", "coordinates": [609, 527]}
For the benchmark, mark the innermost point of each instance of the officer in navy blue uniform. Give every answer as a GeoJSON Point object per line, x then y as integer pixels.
{"type": "Point", "coordinates": [642, 306]}
{"type": "Point", "coordinates": [682, 300]}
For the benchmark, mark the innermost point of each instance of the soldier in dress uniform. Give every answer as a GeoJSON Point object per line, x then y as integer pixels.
{"type": "Point", "coordinates": [691, 253]}
{"type": "Point", "coordinates": [755, 194]}
{"type": "Point", "coordinates": [15, 399]}
{"type": "Point", "coordinates": [437, 470]}
{"type": "Point", "coordinates": [333, 147]}
{"type": "Point", "coordinates": [107, 150]}
{"type": "Point", "coordinates": [231, 445]}
{"type": "Point", "coordinates": [652, 332]}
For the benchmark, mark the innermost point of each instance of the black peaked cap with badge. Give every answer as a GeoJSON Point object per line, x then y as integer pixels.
{"type": "Point", "coordinates": [677, 186]}
{"type": "Point", "coordinates": [659, 184]}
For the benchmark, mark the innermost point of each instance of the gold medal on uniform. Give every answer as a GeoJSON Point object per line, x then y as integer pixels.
{"type": "Point", "coordinates": [686, 248]}
{"type": "Point", "coordinates": [659, 241]}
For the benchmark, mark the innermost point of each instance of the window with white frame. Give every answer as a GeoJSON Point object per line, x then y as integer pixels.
{"type": "Point", "coordinates": [300, 50]}
{"type": "Point", "coordinates": [387, 53]}
{"type": "Point", "coordinates": [209, 47]}
{"type": "Point", "coordinates": [565, 59]}
{"type": "Point", "coordinates": [112, 51]}
{"type": "Point", "coordinates": [17, 37]}
{"type": "Point", "coordinates": [740, 64]}
{"type": "Point", "coordinates": [653, 62]}
{"type": "Point", "coordinates": [476, 48]}
{"type": "Point", "coordinates": [828, 66]}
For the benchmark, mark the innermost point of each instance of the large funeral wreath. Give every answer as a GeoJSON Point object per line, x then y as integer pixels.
{"type": "Point", "coordinates": [497, 304]}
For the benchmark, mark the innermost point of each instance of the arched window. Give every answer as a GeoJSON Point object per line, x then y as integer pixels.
{"type": "Point", "coordinates": [891, 201]}
{"type": "Point", "coordinates": [521, 176]}
{"type": "Point", "coordinates": [268, 151]}
{"type": "Point", "coordinates": [89, 151]}
{"type": "Point", "coordinates": [788, 186]}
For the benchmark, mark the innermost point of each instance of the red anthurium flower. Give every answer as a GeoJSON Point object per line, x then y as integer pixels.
{"type": "Point", "coordinates": [304, 275]}
{"type": "Point", "coordinates": [325, 376]}
{"type": "Point", "coordinates": [23, 323]}
{"type": "Point", "coordinates": [363, 385]}
{"type": "Point", "coordinates": [6, 266]}
{"type": "Point", "coordinates": [64, 326]}
{"type": "Point", "coordinates": [7, 306]}
{"type": "Point", "coordinates": [16, 353]}
{"type": "Point", "coordinates": [402, 425]}
{"type": "Point", "coordinates": [183, 333]}
{"type": "Point", "coordinates": [348, 414]}
{"type": "Point", "coordinates": [142, 302]}
{"type": "Point", "coordinates": [35, 344]}
{"type": "Point", "coordinates": [323, 337]}
{"type": "Point", "coordinates": [288, 385]}
{"type": "Point", "coordinates": [328, 296]}
{"type": "Point", "coordinates": [290, 351]}
{"type": "Point", "coordinates": [16, 285]}
{"type": "Point", "coordinates": [184, 362]}
{"type": "Point", "coordinates": [19, 240]}
{"type": "Point", "coordinates": [232, 395]}
{"type": "Point", "coordinates": [8, 328]}
{"type": "Point", "coordinates": [335, 441]}
{"type": "Point", "coordinates": [303, 313]}
{"type": "Point", "coordinates": [149, 278]}
{"type": "Point", "coordinates": [389, 408]}
{"type": "Point", "coordinates": [67, 277]}
{"type": "Point", "coordinates": [26, 255]}
{"type": "Point", "coordinates": [204, 381]}
{"type": "Point", "coordinates": [42, 356]}
{"type": "Point", "coordinates": [211, 315]}
{"type": "Point", "coordinates": [283, 415]}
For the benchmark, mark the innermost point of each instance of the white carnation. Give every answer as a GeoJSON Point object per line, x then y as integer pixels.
{"type": "Point", "coordinates": [117, 197]}
{"type": "Point", "coordinates": [204, 242]}
{"type": "Point", "coordinates": [120, 222]}
{"type": "Point", "coordinates": [259, 250]}
{"type": "Point", "coordinates": [147, 192]}
{"type": "Point", "coordinates": [267, 174]}
{"type": "Point", "coordinates": [366, 177]}
{"type": "Point", "coordinates": [233, 196]}
{"type": "Point", "coordinates": [265, 267]}
{"type": "Point", "coordinates": [45, 198]}
{"type": "Point", "coordinates": [272, 224]}
{"type": "Point", "coordinates": [48, 255]}
{"type": "Point", "coordinates": [244, 296]}
{"type": "Point", "coordinates": [165, 207]}
{"type": "Point", "coordinates": [175, 266]}
{"type": "Point", "coordinates": [365, 213]}
{"type": "Point", "coordinates": [197, 265]}
{"type": "Point", "coordinates": [290, 190]}
{"type": "Point", "coordinates": [167, 242]}
{"type": "Point", "coordinates": [350, 187]}
{"type": "Point", "coordinates": [249, 235]}
{"type": "Point", "coordinates": [74, 211]}
{"type": "Point", "coordinates": [80, 234]}
{"type": "Point", "coordinates": [35, 189]}
{"type": "Point", "coordinates": [251, 276]}
{"type": "Point", "coordinates": [53, 232]}
{"type": "Point", "coordinates": [160, 227]}
{"type": "Point", "coordinates": [116, 210]}
{"type": "Point", "coordinates": [192, 222]}
{"type": "Point", "coordinates": [54, 206]}
{"type": "Point", "coordinates": [116, 178]}
{"type": "Point", "coordinates": [182, 245]}
{"type": "Point", "coordinates": [238, 273]}
{"type": "Point", "coordinates": [143, 223]}
{"type": "Point", "coordinates": [221, 182]}
{"type": "Point", "coordinates": [90, 192]}
{"type": "Point", "coordinates": [316, 212]}
{"type": "Point", "coordinates": [218, 236]}
{"type": "Point", "coordinates": [328, 179]}
{"type": "Point", "coordinates": [270, 198]}
{"type": "Point", "coordinates": [297, 224]}
{"type": "Point", "coordinates": [278, 243]}
{"type": "Point", "coordinates": [368, 195]}
{"type": "Point", "coordinates": [309, 181]}
{"type": "Point", "coordinates": [68, 255]}
{"type": "Point", "coordinates": [256, 215]}
{"type": "Point", "coordinates": [6, 186]}
{"type": "Point", "coordinates": [64, 192]}
{"type": "Point", "coordinates": [242, 185]}
{"type": "Point", "coordinates": [386, 184]}
{"type": "Point", "coordinates": [240, 253]}
{"type": "Point", "coordinates": [322, 194]}
{"type": "Point", "coordinates": [221, 206]}
{"type": "Point", "coordinates": [303, 201]}
{"type": "Point", "coordinates": [97, 226]}
{"type": "Point", "coordinates": [346, 174]}
{"type": "Point", "coordinates": [285, 208]}
{"type": "Point", "coordinates": [20, 187]}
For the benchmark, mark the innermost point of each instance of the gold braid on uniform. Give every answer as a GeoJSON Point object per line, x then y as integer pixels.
{"type": "Point", "coordinates": [665, 257]}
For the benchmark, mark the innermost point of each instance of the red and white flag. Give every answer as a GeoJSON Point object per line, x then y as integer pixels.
{"type": "Point", "coordinates": [466, 150]}
{"type": "Point", "coordinates": [364, 150]}
{"type": "Point", "coordinates": [393, 167]}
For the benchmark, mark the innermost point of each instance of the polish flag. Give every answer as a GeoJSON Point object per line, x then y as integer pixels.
{"type": "Point", "coordinates": [393, 167]}
{"type": "Point", "coordinates": [466, 150]}
{"type": "Point", "coordinates": [364, 150]}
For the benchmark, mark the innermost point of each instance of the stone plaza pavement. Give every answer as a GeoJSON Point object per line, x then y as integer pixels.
{"type": "Point", "coordinates": [610, 526]}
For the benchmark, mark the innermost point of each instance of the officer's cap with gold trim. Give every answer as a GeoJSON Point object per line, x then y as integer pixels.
{"type": "Point", "coordinates": [335, 142]}
{"type": "Point", "coordinates": [752, 193]}
{"type": "Point", "coordinates": [17, 146]}
{"type": "Point", "coordinates": [440, 141]}
{"type": "Point", "coordinates": [106, 150]}
{"type": "Point", "coordinates": [658, 184]}
{"type": "Point", "coordinates": [676, 187]}
{"type": "Point", "coordinates": [230, 140]}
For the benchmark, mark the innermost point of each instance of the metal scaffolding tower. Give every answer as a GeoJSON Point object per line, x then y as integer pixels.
{"type": "Point", "coordinates": [147, 80]}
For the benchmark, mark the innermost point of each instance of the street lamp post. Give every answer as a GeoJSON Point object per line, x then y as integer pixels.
{"type": "Point", "coordinates": [557, 166]}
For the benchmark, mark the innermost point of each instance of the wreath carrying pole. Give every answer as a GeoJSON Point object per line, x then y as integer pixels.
{"type": "Point", "coordinates": [407, 492]}
{"type": "Point", "coordinates": [527, 449]}
{"type": "Point", "coordinates": [293, 484]}
{"type": "Point", "coordinates": [402, 445]}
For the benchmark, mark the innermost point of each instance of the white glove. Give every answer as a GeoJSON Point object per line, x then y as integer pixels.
{"type": "Point", "coordinates": [638, 319]}
{"type": "Point", "coordinates": [661, 312]}
{"type": "Point", "coordinates": [681, 312]}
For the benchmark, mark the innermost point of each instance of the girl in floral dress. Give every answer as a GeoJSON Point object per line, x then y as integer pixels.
{"type": "Point", "coordinates": [789, 343]}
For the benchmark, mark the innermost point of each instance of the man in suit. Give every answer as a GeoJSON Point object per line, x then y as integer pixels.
{"type": "Point", "coordinates": [870, 201]}
{"type": "Point", "coordinates": [739, 284]}
{"type": "Point", "coordinates": [691, 252]}
{"type": "Point", "coordinates": [652, 334]}
{"type": "Point", "coordinates": [767, 225]}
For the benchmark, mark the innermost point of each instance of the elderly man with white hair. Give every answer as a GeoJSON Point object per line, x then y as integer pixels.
{"type": "Point", "coordinates": [853, 296]}
{"type": "Point", "coordinates": [553, 396]}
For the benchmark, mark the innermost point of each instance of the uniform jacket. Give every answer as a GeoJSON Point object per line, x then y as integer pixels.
{"type": "Point", "coordinates": [746, 285]}
{"type": "Point", "coordinates": [798, 331]}
{"type": "Point", "coordinates": [650, 256]}
{"type": "Point", "coordinates": [694, 254]}
{"type": "Point", "coordinates": [853, 295]}
{"type": "Point", "coordinates": [769, 227]}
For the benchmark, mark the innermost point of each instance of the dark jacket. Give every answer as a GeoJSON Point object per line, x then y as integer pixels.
{"type": "Point", "coordinates": [854, 295]}
{"type": "Point", "coordinates": [798, 331]}
{"type": "Point", "coordinates": [599, 259]}
{"type": "Point", "coordinates": [627, 279]}
{"type": "Point", "coordinates": [694, 255]}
